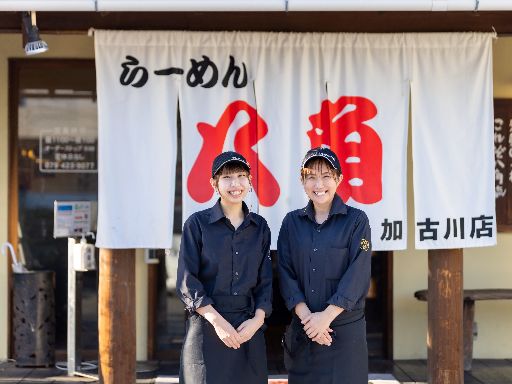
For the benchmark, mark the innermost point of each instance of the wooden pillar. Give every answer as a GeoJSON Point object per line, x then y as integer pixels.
{"type": "Point", "coordinates": [444, 339]}
{"type": "Point", "coordinates": [116, 317]}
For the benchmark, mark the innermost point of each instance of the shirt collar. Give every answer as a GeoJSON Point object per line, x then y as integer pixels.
{"type": "Point", "coordinates": [337, 207]}
{"type": "Point", "coordinates": [216, 212]}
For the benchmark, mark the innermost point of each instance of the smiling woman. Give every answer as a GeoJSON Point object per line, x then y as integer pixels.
{"type": "Point", "coordinates": [225, 281]}
{"type": "Point", "coordinates": [324, 272]}
{"type": "Point", "coordinates": [232, 183]}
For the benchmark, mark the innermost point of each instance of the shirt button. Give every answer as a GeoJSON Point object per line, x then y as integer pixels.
{"type": "Point", "coordinates": [235, 293]}
{"type": "Point", "coordinates": [313, 290]}
{"type": "Point", "coordinates": [314, 249]}
{"type": "Point", "coordinates": [318, 230]}
{"type": "Point", "coordinates": [236, 273]}
{"type": "Point", "coordinates": [314, 269]}
{"type": "Point", "coordinates": [236, 253]}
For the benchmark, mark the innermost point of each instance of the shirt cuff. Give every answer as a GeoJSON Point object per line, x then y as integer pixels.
{"type": "Point", "coordinates": [264, 305]}
{"type": "Point", "coordinates": [292, 301]}
{"type": "Point", "coordinates": [203, 301]}
{"type": "Point", "coordinates": [342, 302]}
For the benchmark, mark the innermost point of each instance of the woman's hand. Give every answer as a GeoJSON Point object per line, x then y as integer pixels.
{"type": "Point", "coordinates": [302, 311]}
{"type": "Point", "coordinates": [227, 334]}
{"type": "Point", "coordinates": [224, 330]}
{"type": "Point", "coordinates": [248, 328]}
{"type": "Point", "coordinates": [318, 323]}
{"type": "Point", "coordinates": [324, 338]}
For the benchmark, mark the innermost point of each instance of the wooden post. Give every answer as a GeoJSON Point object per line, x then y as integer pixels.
{"type": "Point", "coordinates": [444, 339]}
{"type": "Point", "coordinates": [116, 317]}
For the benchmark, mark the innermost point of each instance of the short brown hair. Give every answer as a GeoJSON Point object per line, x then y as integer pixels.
{"type": "Point", "coordinates": [316, 163]}
{"type": "Point", "coordinates": [231, 167]}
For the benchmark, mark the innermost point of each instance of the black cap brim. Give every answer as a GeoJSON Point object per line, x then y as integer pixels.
{"type": "Point", "coordinates": [231, 161]}
{"type": "Point", "coordinates": [320, 155]}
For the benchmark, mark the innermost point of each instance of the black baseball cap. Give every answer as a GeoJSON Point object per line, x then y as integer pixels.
{"type": "Point", "coordinates": [324, 153]}
{"type": "Point", "coordinates": [228, 157]}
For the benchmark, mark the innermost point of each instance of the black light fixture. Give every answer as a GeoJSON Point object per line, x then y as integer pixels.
{"type": "Point", "coordinates": [31, 40]}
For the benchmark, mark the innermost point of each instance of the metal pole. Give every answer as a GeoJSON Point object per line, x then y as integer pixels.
{"type": "Point", "coordinates": [74, 313]}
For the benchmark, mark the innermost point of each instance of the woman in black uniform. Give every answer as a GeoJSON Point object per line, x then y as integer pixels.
{"type": "Point", "coordinates": [324, 258]}
{"type": "Point", "coordinates": [225, 281]}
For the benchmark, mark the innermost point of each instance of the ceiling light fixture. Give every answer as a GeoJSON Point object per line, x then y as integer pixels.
{"type": "Point", "coordinates": [31, 40]}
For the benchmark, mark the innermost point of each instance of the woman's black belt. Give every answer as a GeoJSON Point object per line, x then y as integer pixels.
{"type": "Point", "coordinates": [347, 317]}
{"type": "Point", "coordinates": [226, 304]}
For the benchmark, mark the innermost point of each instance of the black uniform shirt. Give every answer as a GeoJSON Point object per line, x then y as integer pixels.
{"type": "Point", "coordinates": [327, 263]}
{"type": "Point", "coordinates": [217, 260]}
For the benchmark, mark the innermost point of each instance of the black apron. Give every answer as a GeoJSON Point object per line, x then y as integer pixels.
{"type": "Point", "coordinates": [344, 362]}
{"type": "Point", "coordinates": [206, 359]}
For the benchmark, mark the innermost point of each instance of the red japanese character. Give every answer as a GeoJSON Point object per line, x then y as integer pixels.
{"type": "Point", "coordinates": [361, 154]}
{"type": "Point", "coordinates": [264, 183]}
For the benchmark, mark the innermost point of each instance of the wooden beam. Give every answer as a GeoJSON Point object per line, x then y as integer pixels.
{"type": "Point", "coordinates": [116, 316]}
{"type": "Point", "coordinates": [444, 338]}
{"type": "Point", "coordinates": [373, 22]}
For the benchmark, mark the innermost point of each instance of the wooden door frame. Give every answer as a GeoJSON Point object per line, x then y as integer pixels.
{"type": "Point", "coordinates": [12, 194]}
{"type": "Point", "coordinates": [152, 310]}
{"type": "Point", "coordinates": [14, 68]}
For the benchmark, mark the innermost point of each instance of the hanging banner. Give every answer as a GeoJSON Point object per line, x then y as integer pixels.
{"type": "Point", "coordinates": [218, 113]}
{"type": "Point", "coordinates": [271, 97]}
{"type": "Point", "coordinates": [347, 92]}
{"type": "Point", "coordinates": [137, 116]}
{"type": "Point", "coordinates": [292, 64]}
{"type": "Point", "coordinates": [367, 113]}
{"type": "Point", "coordinates": [453, 140]}
{"type": "Point", "coordinates": [268, 96]}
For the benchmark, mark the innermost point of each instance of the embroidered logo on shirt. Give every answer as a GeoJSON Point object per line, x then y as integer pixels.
{"type": "Point", "coordinates": [365, 245]}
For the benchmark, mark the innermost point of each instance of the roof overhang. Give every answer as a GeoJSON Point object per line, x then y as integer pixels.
{"type": "Point", "coordinates": [304, 21]}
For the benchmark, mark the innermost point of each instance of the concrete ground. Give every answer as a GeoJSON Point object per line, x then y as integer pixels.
{"type": "Point", "coordinates": [384, 372]}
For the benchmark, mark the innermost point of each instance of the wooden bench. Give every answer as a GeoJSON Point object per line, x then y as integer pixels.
{"type": "Point", "coordinates": [470, 296]}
